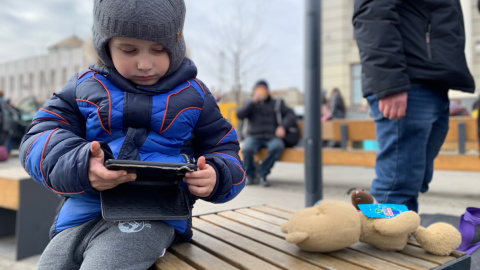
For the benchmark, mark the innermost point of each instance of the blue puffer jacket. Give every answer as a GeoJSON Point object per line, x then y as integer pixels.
{"type": "Point", "coordinates": [176, 116]}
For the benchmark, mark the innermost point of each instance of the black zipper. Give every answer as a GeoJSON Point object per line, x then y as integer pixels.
{"type": "Point", "coordinates": [428, 19]}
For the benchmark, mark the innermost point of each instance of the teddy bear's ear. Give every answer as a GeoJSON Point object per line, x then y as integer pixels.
{"type": "Point", "coordinates": [296, 237]}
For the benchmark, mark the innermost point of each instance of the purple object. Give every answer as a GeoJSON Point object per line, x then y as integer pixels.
{"type": "Point", "coordinates": [469, 227]}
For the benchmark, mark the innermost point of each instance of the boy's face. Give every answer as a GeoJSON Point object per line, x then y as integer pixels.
{"type": "Point", "coordinates": [140, 61]}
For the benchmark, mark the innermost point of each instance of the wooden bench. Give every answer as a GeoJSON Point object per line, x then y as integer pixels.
{"type": "Point", "coordinates": [251, 238]}
{"type": "Point", "coordinates": [462, 136]}
{"type": "Point", "coordinates": [27, 210]}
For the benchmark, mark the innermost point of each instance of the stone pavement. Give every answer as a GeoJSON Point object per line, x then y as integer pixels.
{"type": "Point", "coordinates": [451, 192]}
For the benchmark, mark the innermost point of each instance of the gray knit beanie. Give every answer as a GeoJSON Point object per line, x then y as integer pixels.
{"type": "Point", "coordinates": [160, 21]}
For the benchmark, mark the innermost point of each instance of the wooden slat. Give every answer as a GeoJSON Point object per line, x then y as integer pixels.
{"type": "Point", "coordinates": [262, 216]}
{"type": "Point", "coordinates": [229, 253]}
{"type": "Point", "coordinates": [275, 242]}
{"type": "Point", "coordinates": [288, 155]}
{"type": "Point", "coordinates": [9, 193]}
{"type": "Point", "coordinates": [364, 260]}
{"type": "Point", "coordinates": [394, 257]}
{"type": "Point", "coordinates": [272, 211]}
{"type": "Point", "coordinates": [364, 129]}
{"type": "Point", "coordinates": [470, 128]}
{"type": "Point", "coordinates": [457, 162]}
{"type": "Point", "coordinates": [455, 253]}
{"type": "Point", "coordinates": [349, 157]}
{"type": "Point", "coordinates": [198, 257]}
{"type": "Point", "coordinates": [359, 130]}
{"type": "Point", "coordinates": [253, 222]}
{"type": "Point", "coordinates": [363, 158]}
{"type": "Point", "coordinates": [171, 262]}
{"type": "Point", "coordinates": [453, 146]}
{"type": "Point", "coordinates": [291, 211]}
{"type": "Point", "coordinates": [262, 251]}
{"type": "Point", "coordinates": [424, 255]}
{"type": "Point", "coordinates": [330, 131]}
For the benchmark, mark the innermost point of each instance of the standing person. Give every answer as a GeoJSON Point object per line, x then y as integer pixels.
{"type": "Point", "coordinates": [412, 53]}
{"type": "Point", "coordinates": [142, 103]}
{"type": "Point", "coordinates": [263, 131]}
{"type": "Point", "coordinates": [6, 125]}
{"type": "Point", "coordinates": [337, 104]}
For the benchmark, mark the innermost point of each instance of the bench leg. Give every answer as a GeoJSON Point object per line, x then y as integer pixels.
{"type": "Point", "coordinates": [7, 226]}
{"type": "Point", "coordinates": [35, 215]}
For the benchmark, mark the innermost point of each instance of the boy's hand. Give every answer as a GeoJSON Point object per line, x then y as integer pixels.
{"type": "Point", "coordinates": [100, 177]}
{"type": "Point", "coordinates": [202, 182]}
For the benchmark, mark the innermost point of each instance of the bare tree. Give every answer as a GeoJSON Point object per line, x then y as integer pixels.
{"type": "Point", "coordinates": [237, 44]}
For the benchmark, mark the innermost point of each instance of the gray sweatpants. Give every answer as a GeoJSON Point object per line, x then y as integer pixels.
{"type": "Point", "coordinates": [99, 244]}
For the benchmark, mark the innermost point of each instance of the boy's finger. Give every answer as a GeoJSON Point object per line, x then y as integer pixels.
{"type": "Point", "coordinates": [95, 148]}
{"type": "Point", "coordinates": [201, 163]}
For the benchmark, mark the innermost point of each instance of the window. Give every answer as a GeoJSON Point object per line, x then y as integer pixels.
{"type": "Point", "coordinates": [356, 80]}
{"type": "Point", "coordinates": [41, 84]}
{"type": "Point", "coordinates": [64, 75]}
{"type": "Point", "coordinates": [30, 84]}
{"type": "Point", "coordinates": [52, 80]}
{"type": "Point", "coordinates": [11, 88]}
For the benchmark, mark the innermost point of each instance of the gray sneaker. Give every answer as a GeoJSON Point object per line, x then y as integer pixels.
{"type": "Point", "coordinates": [264, 182]}
{"type": "Point", "coordinates": [249, 180]}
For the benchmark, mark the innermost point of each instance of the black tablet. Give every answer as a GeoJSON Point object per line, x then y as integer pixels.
{"type": "Point", "coordinates": [150, 170]}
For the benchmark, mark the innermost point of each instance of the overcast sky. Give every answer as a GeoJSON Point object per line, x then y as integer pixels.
{"type": "Point", "coordinates": [28, 27]}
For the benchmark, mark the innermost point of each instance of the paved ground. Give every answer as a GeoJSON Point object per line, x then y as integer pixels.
{"type": "Point", "coordinates": [450, 193]}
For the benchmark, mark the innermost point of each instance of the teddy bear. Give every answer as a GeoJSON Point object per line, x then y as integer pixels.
{"type": "Point", "coordinates": [393, 234]}
{"type": "Point", "coordinates": [333, 225]}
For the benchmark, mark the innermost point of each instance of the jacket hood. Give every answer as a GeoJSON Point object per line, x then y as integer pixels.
{"type": "Point", "coordinates": [186, 71]}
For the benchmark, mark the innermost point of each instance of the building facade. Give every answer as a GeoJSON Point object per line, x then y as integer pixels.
{"type": "Point", "coordinates": [340, 58]}
{"type": "Point", "coordinates": [42, 75]}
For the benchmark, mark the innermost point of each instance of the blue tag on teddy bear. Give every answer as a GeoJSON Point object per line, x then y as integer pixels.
{"type": "Point", "coordinates": [382, 210]}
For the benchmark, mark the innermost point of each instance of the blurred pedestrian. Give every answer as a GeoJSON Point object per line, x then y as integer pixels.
{"type": "Point", "coordinates": [412, 53]}
{"type": "Point", "coordinates": [263, 130]}
{"type": "Point", "coordinates": [337, 104]}
{"type": "Point", "coordinates": [6, 131]}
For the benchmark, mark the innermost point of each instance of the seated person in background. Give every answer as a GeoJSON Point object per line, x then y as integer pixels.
{"type": "Point", "coordinates": [337, 105]}
{"type": "Point", "coordinates": [263, 131]}
{"type": "Point", "coordinates": [456, 108]}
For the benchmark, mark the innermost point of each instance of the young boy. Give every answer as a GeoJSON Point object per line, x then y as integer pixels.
{"type": "Point", "coordinates": [143, 103]}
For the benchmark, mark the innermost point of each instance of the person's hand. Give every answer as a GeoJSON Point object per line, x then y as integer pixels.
{"type": "Point", "coordinates": [100, 177]}
{"type": "Point", "coordinates": [280, 132]}
{"type": "Point", "coordinates": [394, 106]}
{"type": "Point", "coordinates": [202, 182]}
{"type": "Point", "coordinates": [257, 97]}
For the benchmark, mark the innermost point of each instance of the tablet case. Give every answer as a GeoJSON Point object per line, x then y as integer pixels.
{"type": "Point", "coordinates": [155, 195]}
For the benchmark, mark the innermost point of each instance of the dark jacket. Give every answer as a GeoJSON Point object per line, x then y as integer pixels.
{"type": "Point", "coordinates": [176, 116]}
{"type": "Point", "coordinates": [337, 107]}
{"type": "Point", "coordinates": [401, 41]}
{"type": "Point", "coordinates": [262, 120]}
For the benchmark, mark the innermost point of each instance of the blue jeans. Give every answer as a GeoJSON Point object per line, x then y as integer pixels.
{"type": "Point", "coordinates": [407, 147]}
{"type": "Point", "coordinates": [251, 146]}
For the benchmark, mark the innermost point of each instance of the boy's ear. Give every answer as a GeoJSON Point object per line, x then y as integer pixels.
{"type": "Point", "coordinates": [179, 35]}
